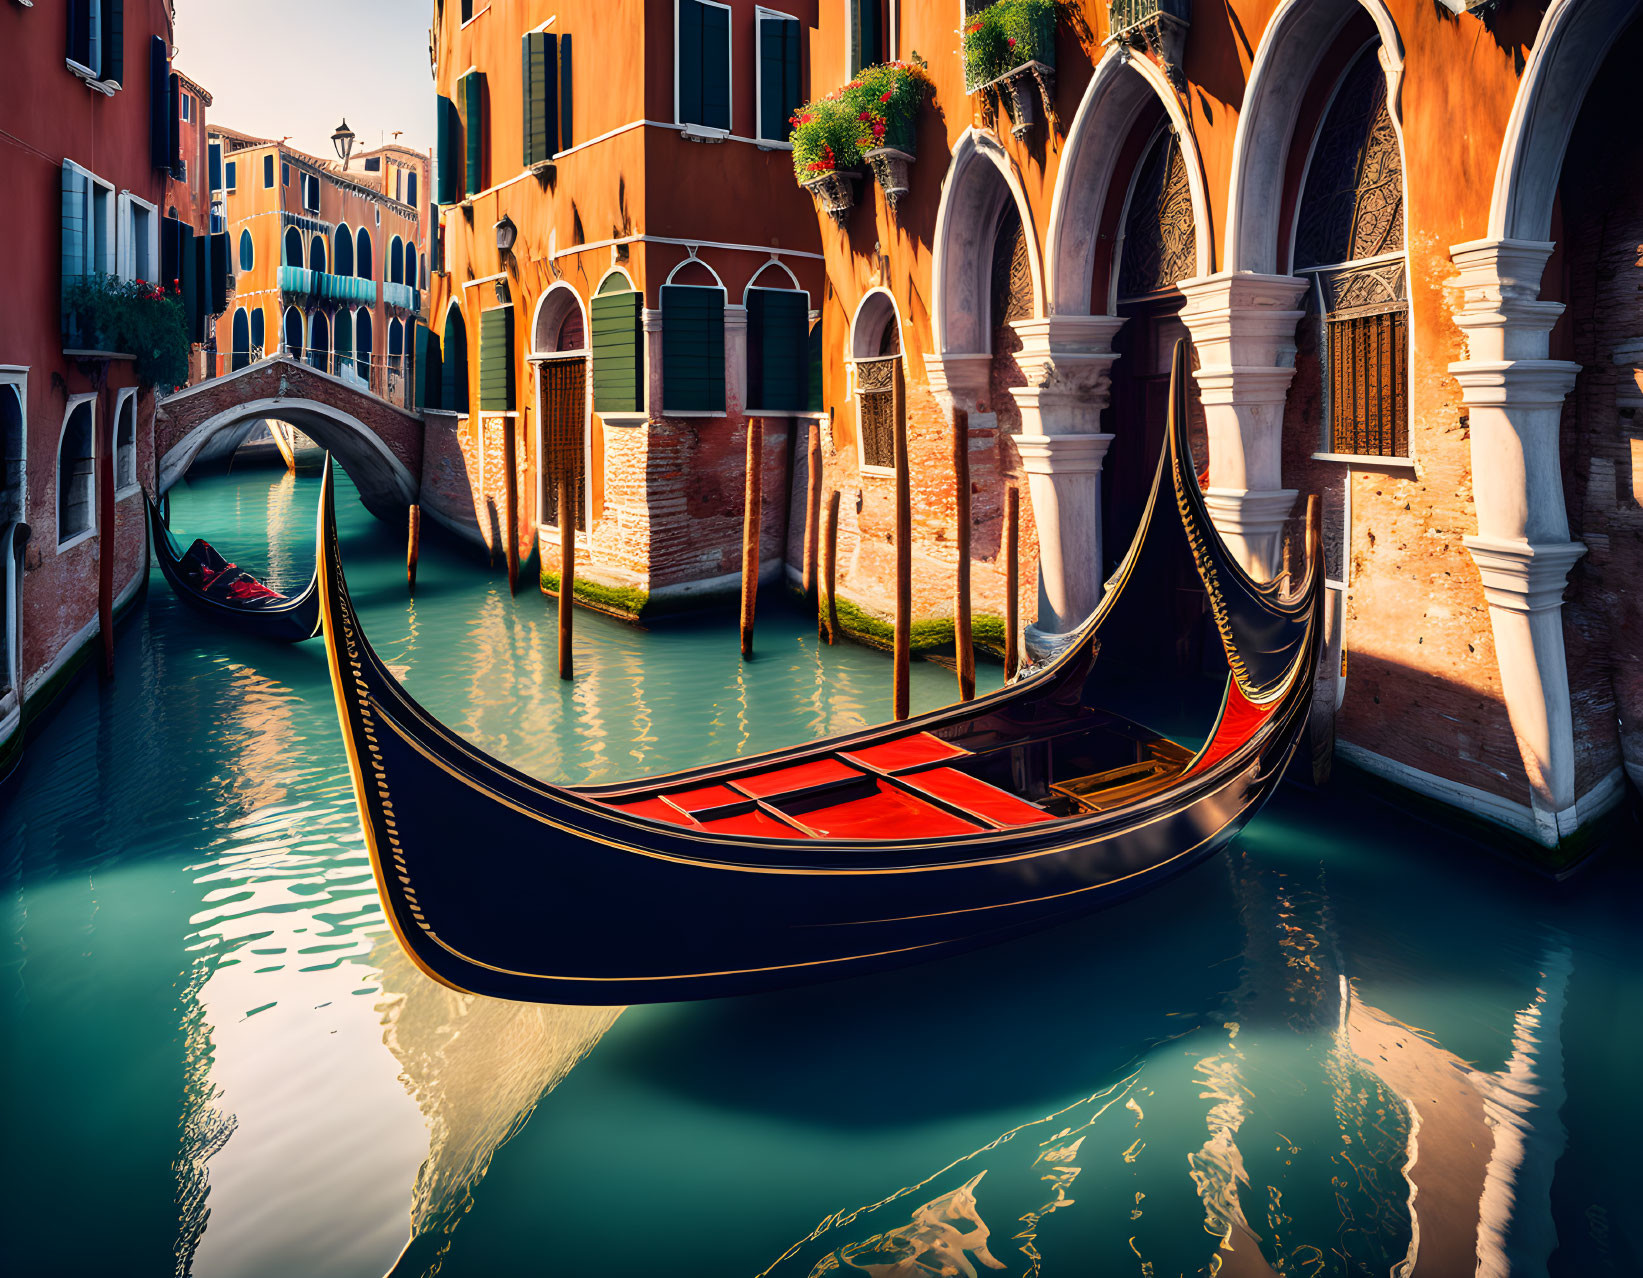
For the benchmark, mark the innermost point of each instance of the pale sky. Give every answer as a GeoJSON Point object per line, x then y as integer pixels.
{"type": "Point", "coordinates": [297, 67]}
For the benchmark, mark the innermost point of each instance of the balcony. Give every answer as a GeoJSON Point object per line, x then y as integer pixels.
{"type": "Point", "coordinates": [403, 296]}
{"type": "Point", "coordinates": [326, 287]}
{"type": "Point", "coordinates": [1158, 27]}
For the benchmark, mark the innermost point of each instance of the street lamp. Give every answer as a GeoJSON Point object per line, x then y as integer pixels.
{"type": "Point", "coordinates": [343, 140]}
{"type": "Point", "coordinates": [506, 234]}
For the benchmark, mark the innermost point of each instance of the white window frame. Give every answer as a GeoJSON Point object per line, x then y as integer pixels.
{"type": "Point", "coordinates": [186, 105]}
{"type": "Point", "coordinates": [17, 377]}
{"type": "Point", "coordinates": [892, 34]}
{"type": "Point", "coordinates": [14, 377]}
{"type": "Point", "coordinates": [230, 175]}
{"type": "Point", "coordinates": [122, 397]}
{"type": "Point", "coordinates": [268, 172]}
{"type": "Point", "coordinates": [761, 15]}
{"type": "Point", "coordinates": [704, 130]}
{"type": "Point", "coordinates": [90, 531]}
{"type": "Point", "coordinates": [127, 239]}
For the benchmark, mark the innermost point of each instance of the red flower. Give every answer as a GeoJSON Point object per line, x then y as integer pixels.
{"type": "Point", "coordinates": [866, 116]}
{"type": "Point", "coordinates": [1012, 42]}
{"type": "Point", "coordinates": [885, 96]}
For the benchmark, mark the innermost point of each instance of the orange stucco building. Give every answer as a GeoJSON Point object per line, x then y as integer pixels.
{"type": "Point", "coordinates": [624, 268]}
{"type": "Point", "coordinates": [330, 263]}
{"type": "Point", "coordinates": [1357, 214]}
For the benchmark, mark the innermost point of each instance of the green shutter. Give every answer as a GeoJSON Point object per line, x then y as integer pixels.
{"type": "Point", "coordinates": [693, 349]}
{"type": "Point", "coordinates": [618, 353]}
{"type": "Point", "coordinates": [429, 371]}
{"type": "Point", "coordinates": [567, 133]}
{"type": "Point", "coordinates": [448, 180]}
{"type": "Point", "coordinates": [159, 124]}
{"type": "Point", "coordinates": [215, 167]}
{"type": "Point", "coordinates": [453, 371]}
{"type": "Point", "coordinates": [813, 389]}
{"type": "Point", "coordinates": [74, 243]}
{"type": "Point", "coordinates": [496, 360]}
{"type": "Point", "coordinates": [778, 356]}
{"type": "Point", "coordinates": [189, 269]}
{"type": "Point", "coordinates": [855, 36]}
{"type": "Point", "coordinates": [473, 93]}
{"type": "Point", "coordinates": [871, 53]}
{"type": "Point", "coordinates": [114, 42]}
{"type": "Point", "coordinates": [219, 275]}
{"type": "Point", "coordinates": [772, 116]}
{"type": "Point", "coordinates": [536, 59]}
{"type": "Point", "coordinates": [716, 67]}
{"type": "Point", "coordinates": [690, 62]}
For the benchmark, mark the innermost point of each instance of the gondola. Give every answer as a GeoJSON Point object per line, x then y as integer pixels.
{"type": "Point", "coordinates": [881, 847]}
{"type": "Point", "coordinates": [203, 579]}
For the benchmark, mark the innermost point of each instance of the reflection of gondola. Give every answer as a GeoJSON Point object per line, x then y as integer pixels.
{"type": "Point", "coordinates": [204, 579]}
{"type": "Point", "coordinates": [885, 846]}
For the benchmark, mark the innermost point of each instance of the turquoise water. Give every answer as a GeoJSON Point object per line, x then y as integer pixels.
{"type": "Point", "coordinates": [1334, 1050]}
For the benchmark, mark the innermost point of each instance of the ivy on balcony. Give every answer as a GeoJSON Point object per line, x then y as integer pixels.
{"type": "Point", "coordinates": [1158, 27]}
{"type": "Point", "coordinates": [873, 119]}
{"type": "Point", "coordinates": [129, 317]}
{"type": "Point", "coordinates": [1010, 46]}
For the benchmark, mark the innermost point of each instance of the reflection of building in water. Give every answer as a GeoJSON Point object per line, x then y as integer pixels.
{"type": "Point", "coordinates": [476, 1068]}
{"type": "Point", "coordinates": [205, 1127]}
{"type": "Point", "coordinates": [932, 1244]}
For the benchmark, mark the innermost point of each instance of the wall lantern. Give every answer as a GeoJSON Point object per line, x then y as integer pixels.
{"type": "Point", "coordinates": [506, 234]}
{"type": "Point", "coordinates": [343, 140]}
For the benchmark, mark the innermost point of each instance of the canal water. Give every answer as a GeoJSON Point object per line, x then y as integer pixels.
{"type": "Point", "coordinates": [1349, 1045]}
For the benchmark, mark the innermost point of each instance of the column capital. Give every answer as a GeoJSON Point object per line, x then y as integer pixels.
{"type": "Point", "coordinates": [1515, 383]}
{"type": "Point", "coordinates": [1501, 310]}
{"type": "Point", "coordinates": [1060, 337]}
{"type": "Point", "coordinates": [961, 379]}
{"type": "Point", "coordinates": [1062, 454]}
{"type": "Point", "coordinates": [1242, 320]}
{"type": "Point", "coordinates": [1252, 524]}
{"type": "Point", "coordinates": [1521, 575]}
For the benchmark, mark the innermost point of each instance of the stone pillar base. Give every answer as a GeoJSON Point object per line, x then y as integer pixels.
{"type": "Point", "coordinates": [1252, 525]}
{"type": "Point", "coordinates": [1064, 478]}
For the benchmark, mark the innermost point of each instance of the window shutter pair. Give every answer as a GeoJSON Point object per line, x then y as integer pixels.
{"type": "Point", "coordinates": [496, 360]}
{"type": "Point", "coordinates": [704, 64]}
{"type": "Point", "coordinates": [453, 373]}
{"type": "Point", "coordinates": [779, 92]}
{"type": "Point", "coordinates": [778, 356]}
{"type": "Point", "coordinates": [618, 351]}
{"type": "Point", "coordinates": [693, 349]}
{"type": "Point", "coordinates": [473, 101]}
{"type": "Point", "coordinates": [159, 104]}
{"type": "Point", "coordinates": [448, 179]}
{"type": "Point", "coordinates": [114, 43]}
{"type": "Point", "coordinates": [428, 371]}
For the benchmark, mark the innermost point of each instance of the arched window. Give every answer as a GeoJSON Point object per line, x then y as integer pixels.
{"type": "Point", "coordinates": [1160, 244]}
{"type": "Point", "coordinates": [247, 255]}
{"type": "Point", "coordinates": [293, 247]}
{"type": "Point", "coordinates": [396, 261]}
{"type": "Point", "coordinates": [316, 254]}
{"type": "Point", "coordinates": [1350, 240]}
{"type": "Point", "coordinates": [363, 266]}
{"type": "Point", "coordinates": [345, 341]}
{"type": "Point", "coordinates": [125, 444]}
{"type": "Point", "coordinates": [410, 188]}
{"type": "Point", "coordinates": [410, 263]}
{"type": "Point", "coordinates": [76, 471]}
{"type": "Point", "coordinates": [875, 344]}
{"type": "Point", "coordinates": [319, 341]}
{"type": "Point", "coordinates": [13, 456]}
{"type": "Point", "coordinates": [396, 345]}
{"type": "Point", "coordinates": [778, 341]}
{"type": "Point", "coordinates": [342, 252]}
{"type": "Point", "coordinates": [364, 341]}
{"type": "Point", "coordinates": [292, 335]}
{"type": "Point", "coordinates": [241, 354]}
{"type": "Point", "coordinates": [693, 341]}
{"type": "Point", "coordinates": [258, 333]}
{"type": "Point", "coordinates": [453, 366]}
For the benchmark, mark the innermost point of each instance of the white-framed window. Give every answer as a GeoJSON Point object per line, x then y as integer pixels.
{"type": "Point", "coordinates": [310, 192]}
{"type": "Point", "coordinates": [188, 106]}
{"type": "Point", "coordinates": [703, 66]}
{"type": "Point", "coordinates": [91, 51]}
{"type": "Point", "coordinates": [77, 473]}
{"type": "Point", "coordinates": [14, 396]}
{"type": "Point", "coordinates": [779, 74]}
{"type": "Point", "coordinates": [125, 443]}
{"type": "Point", "coordinates": [88, 222]}
{"type": "Point", "coordinates": [230, 176]}
{"type": "Point", "coordinates": [137, 255]}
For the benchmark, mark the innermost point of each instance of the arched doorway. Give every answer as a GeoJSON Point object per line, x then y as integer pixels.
{"type": "Point", "coordinates": [364, 342]}
{"type": "Point", "coordinates": [343, 252]}
{"type": "Point", "coordinates": [319, 341]}
{"type": "Point", "coordinates": [362, 255]}
{"type": "Point", "coordinates": [345, 344]}
{"type": "Point", "coordinates": [317, 254]}
{"type": "Point", "coordinates": [559, 350]}
{"type": "Point", "coordinates": [241, 355]}
{"type": "Point", "coordinates": [292, 332]}
{"type": "Point", "coordinates": [293, 247]}
{"type": "Point", "coordinates": [878, 380]}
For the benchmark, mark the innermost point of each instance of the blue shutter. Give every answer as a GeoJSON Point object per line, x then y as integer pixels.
{"type": "Point", "coordinates": [617, 344]}
{"type": "Point", "coordinates": [813, 390]}
{"type": "Point", "coordinates": [79, 33]}
{"type": "Point", "coordinates": [74, 244]}
{"type": "Point", "coordinates": [496, 360]}
{"type": "Point", "coordinates": [693, 349]}
{"type": "Point", "coordinates": [447, 176]}
{"type": "Point", "coordinates": [174, 124]}
{"type": "Point", "coordinates": [215, 152]}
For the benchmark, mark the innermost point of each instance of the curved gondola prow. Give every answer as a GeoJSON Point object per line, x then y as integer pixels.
{"type": "Point", "coordinates": [292, 621]}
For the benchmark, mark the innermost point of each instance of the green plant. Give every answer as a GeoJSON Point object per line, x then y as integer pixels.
{"type": "Point", "coordinates": [1007, 35]}
{"type": "Point", "coordinates": [104, 312]}
{"type": "Point", "coordinates": [879, 108]}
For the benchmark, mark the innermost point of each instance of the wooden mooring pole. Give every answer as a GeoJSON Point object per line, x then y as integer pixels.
{"type": "Point", "coordinates": [828, 614]}
{"type": "Point", "coordinates": [812, 509]}
{"type": "Point", "coordinates": [1012, 581]}
{"type": "Point", "coordinates": [752, 524]}
{"type": "Point", "coordinates": [963, 647]}
{"type": "Point", "coordinates": [510, 462]}
{"type": "Point", "coordinates": [413, 545]}
{"type": "Point", "coordinates": [904, 560]}
{"type": "Point", "coordinates": [567, 567]}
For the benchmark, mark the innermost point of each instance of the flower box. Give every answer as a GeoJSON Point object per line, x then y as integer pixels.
{"type": "Point", "coordinates": [889, 166]}
{"type": "Point", "coordinates": [103, 313]}
{"type": "Point", "coordinates": [1007, 37]}
{"type": "Point", "coordinates": [834, 192]}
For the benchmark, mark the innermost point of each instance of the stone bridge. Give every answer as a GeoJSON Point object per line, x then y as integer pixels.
{"type": "Point", "coordinates": [378, 443]}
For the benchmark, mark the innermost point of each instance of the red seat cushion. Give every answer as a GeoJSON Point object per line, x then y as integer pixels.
{"type": "Point", "coordinates": [800, 776]}
{"type": "Point", "coordinates": [886, 814]}
{"type": "Point", "coordinates": [904, 752]}
{"type": "Point", "coordinates": [654, 810]}
{"type": "Point", "coordinates": [754, 822]}
{"type": "Point", "coordinates": [709, 796]}
{"type": "Point", "coordinates": [965, 791]}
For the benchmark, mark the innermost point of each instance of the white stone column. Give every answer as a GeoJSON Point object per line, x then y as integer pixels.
{"type": "Point", "coordinates": [959, 381]}
{"type": "Point", "coordinates": [1243, 327]}
{"type": "Point", "coordinates": [1514, 397]}
{"type": "Point", "coordinates": [1068, 363]}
